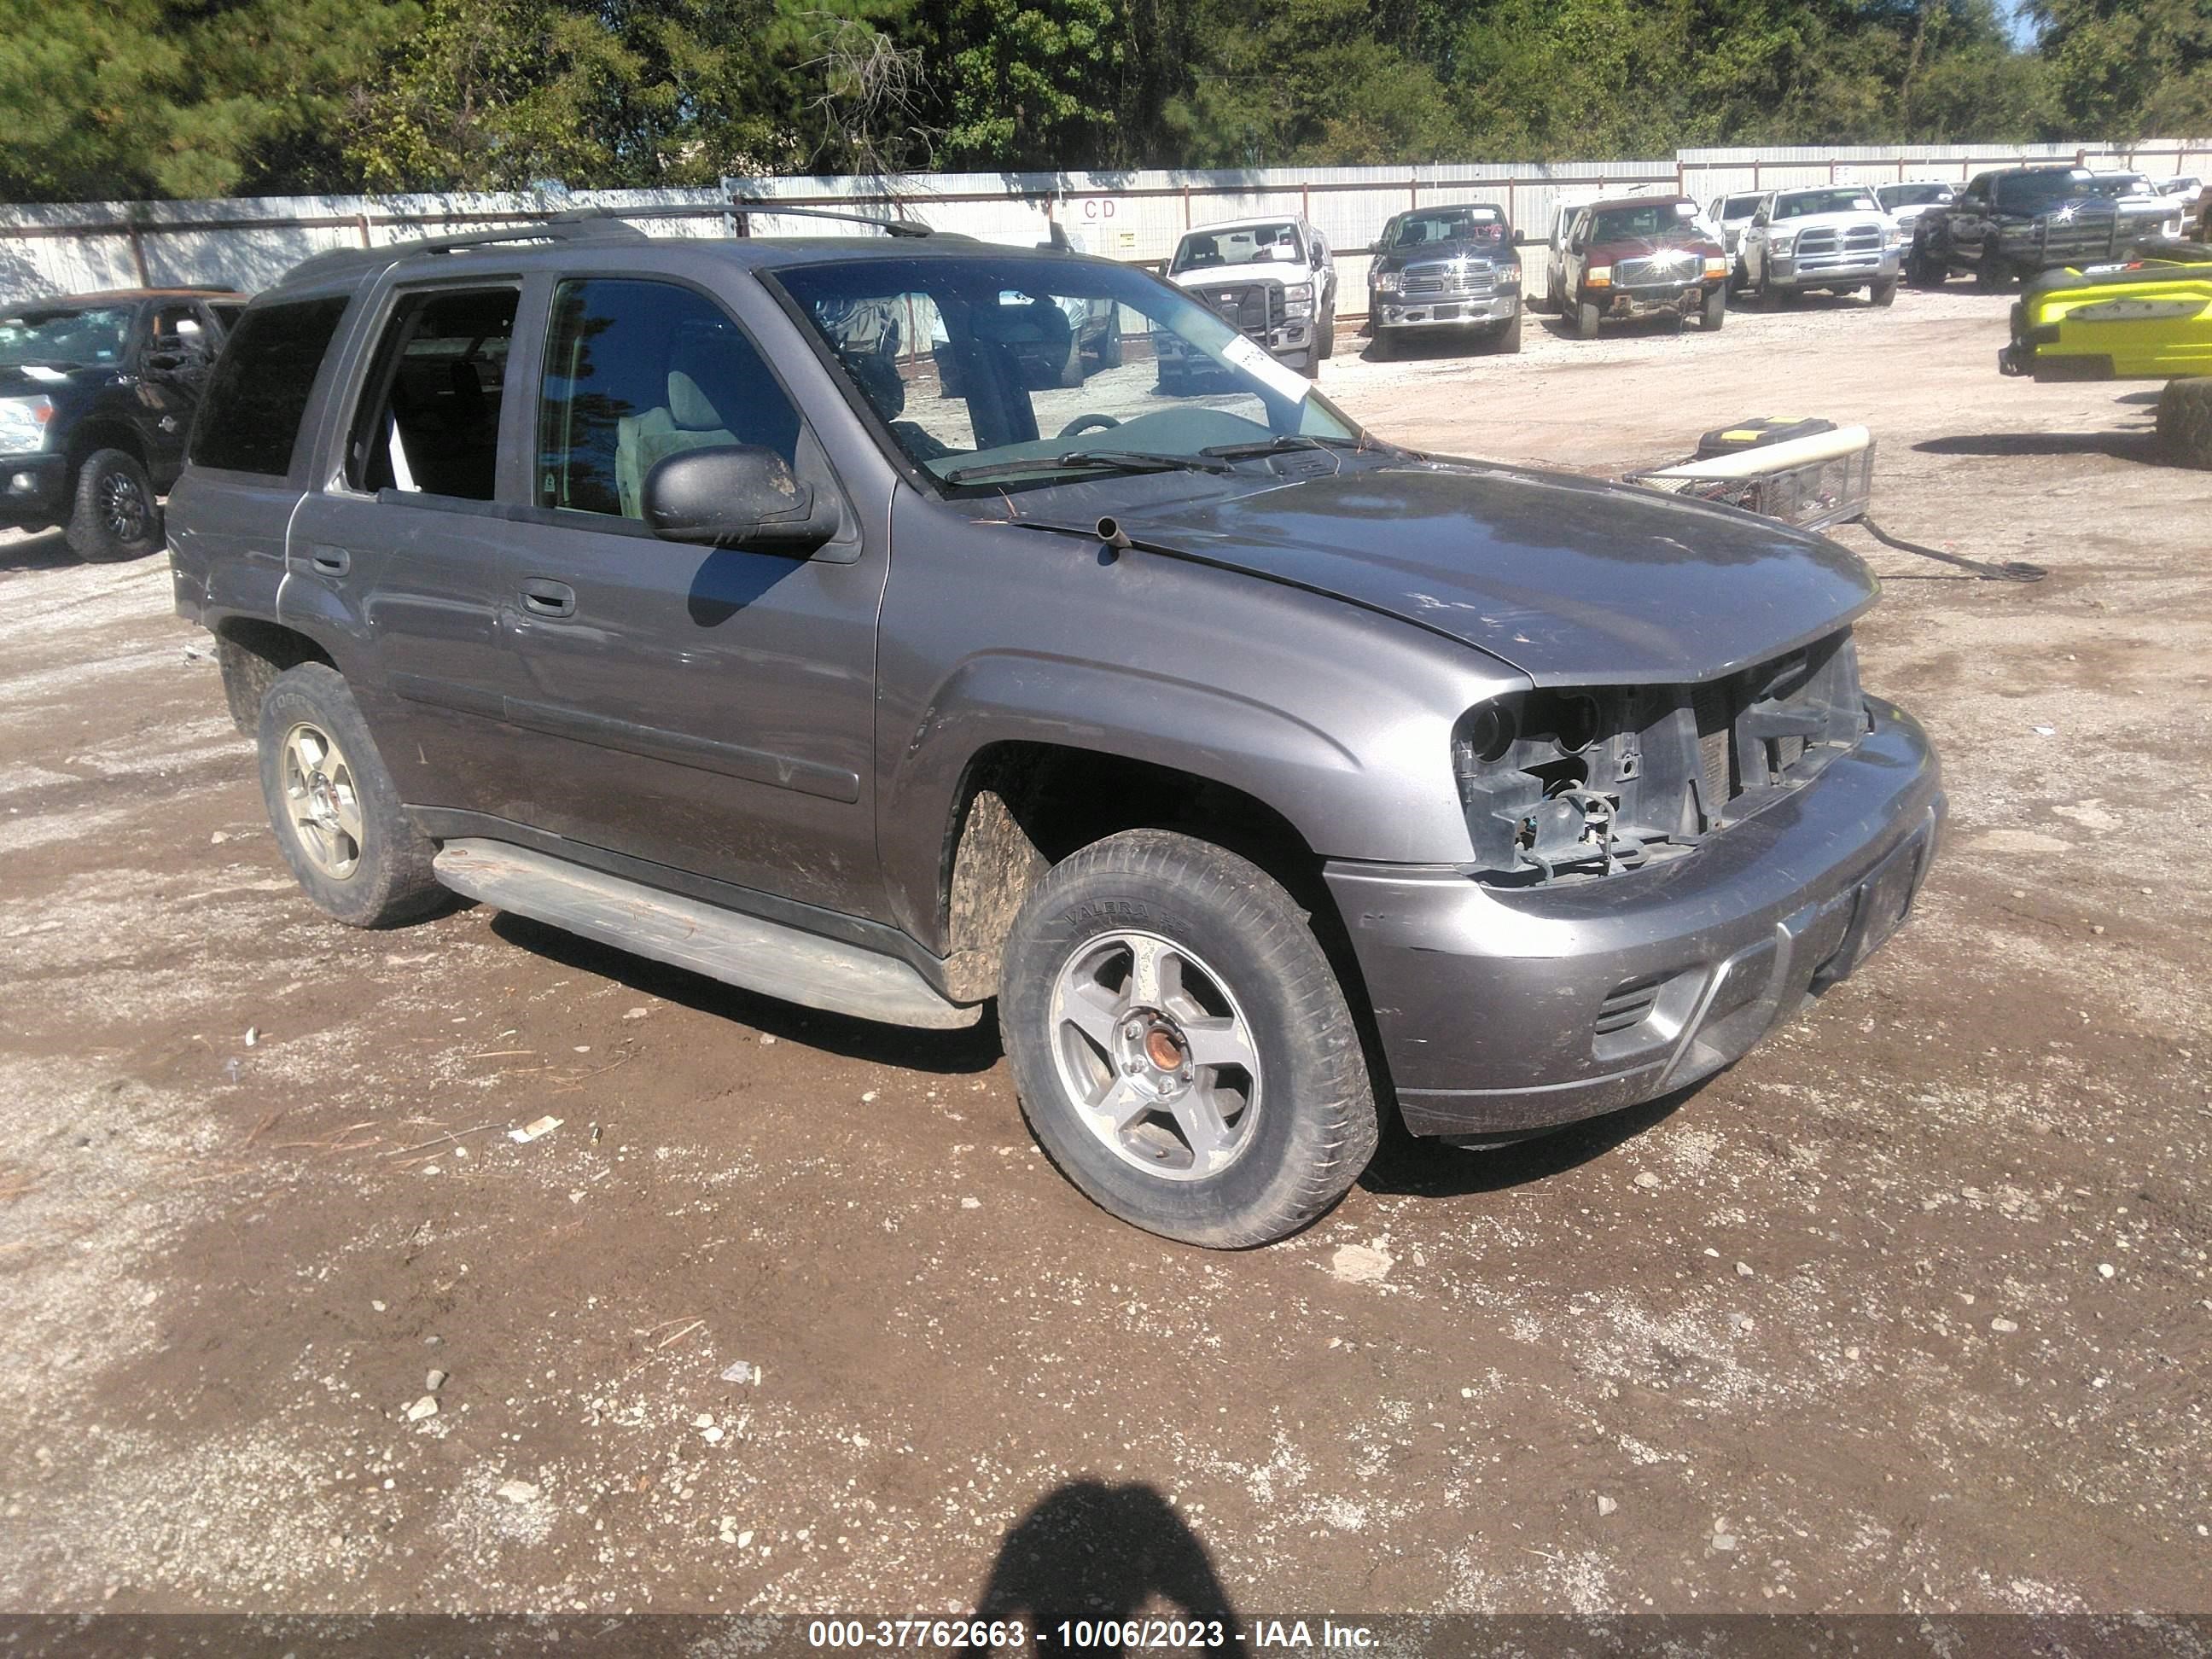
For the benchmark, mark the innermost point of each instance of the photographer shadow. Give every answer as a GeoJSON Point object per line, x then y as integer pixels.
{"type": "Point", "coordinates": [1087, 1551]}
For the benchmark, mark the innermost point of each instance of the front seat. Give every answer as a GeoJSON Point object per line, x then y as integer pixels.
{"type": "Point", "coordinates": [686, 421]}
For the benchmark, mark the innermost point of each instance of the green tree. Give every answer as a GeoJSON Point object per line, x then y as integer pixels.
{"type": "Point", "coordinates": [1022, 82]}
{"type": "Point", "coordinates": [2129, 68]}
{"type": "Point", "coordinates": [124, 98]}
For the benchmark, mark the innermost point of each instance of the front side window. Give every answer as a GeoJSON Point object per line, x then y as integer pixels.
{"type": "Point", "coordinates": [259, 393]}
{"type": "Point", "coordinates": [1010, 369]}
{"type": "Point", "coordinates": [638, 371]}
{"type": "Point", "coordinates": [428, 420]}
{"type": "Point", "coordinates": [1238, 244]}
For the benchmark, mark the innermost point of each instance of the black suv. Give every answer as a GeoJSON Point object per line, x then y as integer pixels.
{"type": "Point", "coordinates": [96, 392]}
{"type": "Point", "coordinates": [1266, 775]}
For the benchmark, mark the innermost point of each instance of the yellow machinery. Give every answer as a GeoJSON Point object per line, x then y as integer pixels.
{"type": "Point", "coordinates": [2149, 319]}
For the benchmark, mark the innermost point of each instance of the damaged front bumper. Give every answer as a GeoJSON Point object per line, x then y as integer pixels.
{"type": "Point", "coordinates": [1503, 1013]}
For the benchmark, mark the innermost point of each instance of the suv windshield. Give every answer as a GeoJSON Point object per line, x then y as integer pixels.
{"type": "Point", "coordinates": [1647, 221]}
{"type": "Point", "coordinates": [1739, 207]}
{"type": "Point", "coordinates": [1037, 369]}
{"type": "Point", "coordinates": [1238, 244]}
{"type": "Point", "coordinates": [2031, 192]}
{"type": "Point", "coordinates": [1898, 196]}
{"type": "Point", "coordinates": [59, 334]}
{"type": "Point", "coordinates": [2116, 184]}
{"type": "Point", "coordinates": [1475, 224]}
{"type": "Point", "coordinates": [1799, 204]}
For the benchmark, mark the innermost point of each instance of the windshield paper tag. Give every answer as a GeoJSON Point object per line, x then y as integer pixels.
{"type": "Point", "coordinates": [1283, 382]}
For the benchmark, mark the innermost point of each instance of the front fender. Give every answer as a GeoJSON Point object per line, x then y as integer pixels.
{"type": "Point", "coordinates": [1337, 719]}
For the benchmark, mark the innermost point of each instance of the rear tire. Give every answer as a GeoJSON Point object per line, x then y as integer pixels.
{"type": "Point", "coordinates": [1587, 317]}
{"type": "Point", "coordinates": [354, 851]}
{"type": "Point", "coordinates": [112, 515]}
{"type": "Point", "coordinates": [1109, 348]}
{"type": "Point", "coordinates": [1225, 1153]}
{"type": "Point", "coordinates": [2185, 423]}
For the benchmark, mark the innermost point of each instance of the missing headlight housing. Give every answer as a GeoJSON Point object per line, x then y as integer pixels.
{"type": "Point", "coordinates": [1581, 782]}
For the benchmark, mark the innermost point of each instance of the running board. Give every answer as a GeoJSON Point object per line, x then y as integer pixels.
{"type": "Point", "coordinates": [737, 949]}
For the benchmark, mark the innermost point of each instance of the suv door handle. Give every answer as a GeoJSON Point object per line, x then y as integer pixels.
{"type": "Point", "coordinates": [330, 560]}
{"type": "Point", "coordinates": [542, 597]}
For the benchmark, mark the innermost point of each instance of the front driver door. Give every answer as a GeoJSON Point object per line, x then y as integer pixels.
{"type": "Point", "coordinates": [711, 710]}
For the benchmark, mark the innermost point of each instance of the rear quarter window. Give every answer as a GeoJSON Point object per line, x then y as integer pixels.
{"type": "Point", "coordinates": [250, 418]}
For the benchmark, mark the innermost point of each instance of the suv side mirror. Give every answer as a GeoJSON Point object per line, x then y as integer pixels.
{"type": "Point", "coordinates": [737, 496]}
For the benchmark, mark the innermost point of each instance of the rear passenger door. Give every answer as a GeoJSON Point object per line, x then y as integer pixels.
{"type": "Point", "coordinates": [405, 546]}
{"type": "Point", "coordinates": [709, 710]}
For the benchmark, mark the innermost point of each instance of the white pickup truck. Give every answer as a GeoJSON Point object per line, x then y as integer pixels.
{"type": "Point", "coordinates": [1274, 280]}
{"type": "Point", "coordinates": [1833, 237]}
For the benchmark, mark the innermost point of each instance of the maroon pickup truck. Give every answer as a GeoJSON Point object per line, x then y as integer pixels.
{"type": "Point", "coordinates": [1638, 256]}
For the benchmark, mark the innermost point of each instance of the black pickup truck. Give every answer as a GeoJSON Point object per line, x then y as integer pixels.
{"type": "Point", "coordinates": [96, 392]}
{"type": "Point", "coordinates": [2017, 222]}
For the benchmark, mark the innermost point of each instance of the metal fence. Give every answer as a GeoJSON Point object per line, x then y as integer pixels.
{"type": "Point", "coordinates": [1136, 216]}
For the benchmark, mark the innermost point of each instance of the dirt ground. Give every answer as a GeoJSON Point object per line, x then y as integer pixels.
{"type": "Point", "coordinates": [1907, 1311]}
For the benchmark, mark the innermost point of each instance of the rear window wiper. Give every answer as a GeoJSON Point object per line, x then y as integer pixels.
{"type": "Point", "coordinates": [1088, 460]}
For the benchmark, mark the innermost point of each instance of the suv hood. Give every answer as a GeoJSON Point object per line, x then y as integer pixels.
{"type": "Point", "coordinates": [19, 378]}
{"type": "Point", "coordinates": [1645, 248]}
{"type": "Point", "coordinates": [1570, 581]}
{"type": "Point", "coordinates": [1842, 219]}
{"type": "Point", "coordinates": [1467, 251]}
{"type": "Point", "coordinates": [1237, 275]}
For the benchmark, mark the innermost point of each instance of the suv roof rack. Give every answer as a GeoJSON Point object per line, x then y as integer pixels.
{"type": "Point", "coordinates": [561, 227]}
{"type": "Point", "coordinates": [778, 210]}
{"type": "Point", "coordinates": [595, 222]}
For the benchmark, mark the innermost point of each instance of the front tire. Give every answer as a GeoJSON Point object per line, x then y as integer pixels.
{"type": "Point", "coordinates": [1715, 310]}
{"type": "Point", "coordinates": [1883, 293]}
{"type": "Point", "coordinates": [1180, 1044]}
{"type": "Point", "coordinates": [335, 811]}
{"type": "Point", "coordinates": [1587, 316]}
{"type": "Point", "coordinates": [2185, 423]}
{"type": "Point", "coordinates": [1325, 339]}
{"type": "Point", "coordinates": [1989, 269]}
{"type": "Point", "coordinates": [111, 514]}
{"type": "Point", "coordinates": [1509, 337]}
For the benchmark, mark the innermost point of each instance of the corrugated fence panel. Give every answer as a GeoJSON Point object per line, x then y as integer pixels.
{"type": "Point", "coordinates": [1136, 215]}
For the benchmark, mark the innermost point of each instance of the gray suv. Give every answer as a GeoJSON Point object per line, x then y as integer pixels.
{"type": "Point", "coordinates": [1265, 776]}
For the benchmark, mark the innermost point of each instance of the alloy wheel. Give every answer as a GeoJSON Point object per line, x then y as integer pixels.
{"type": "Point", "coordinates": [1157, 1056]}
{"type": "Point", "coordinates": [322, 800]}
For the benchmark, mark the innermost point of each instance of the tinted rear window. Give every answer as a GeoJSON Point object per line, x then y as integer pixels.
{"type": "Point", "coordinates": [260, 390]}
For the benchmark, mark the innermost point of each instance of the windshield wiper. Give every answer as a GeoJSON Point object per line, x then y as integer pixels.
{"type": "Point", "coordinates": [1296, 441]}
{"type": "Point", "coordinates": [1088, 460]}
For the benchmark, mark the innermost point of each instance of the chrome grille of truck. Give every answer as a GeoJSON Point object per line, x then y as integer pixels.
{"type": "Point", "coordinates": [1678, 265]}
{"type": "Point", "coordinates": [1446, 283]}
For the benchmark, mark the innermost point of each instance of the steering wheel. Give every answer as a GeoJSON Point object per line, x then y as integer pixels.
{"type": "Point", "coordinates": [1086, 423]}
